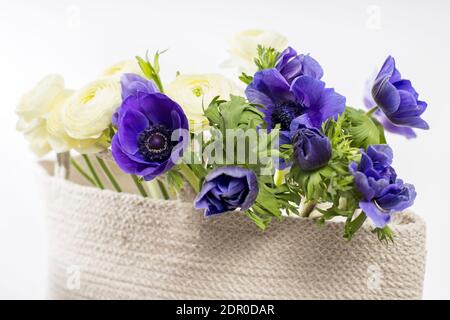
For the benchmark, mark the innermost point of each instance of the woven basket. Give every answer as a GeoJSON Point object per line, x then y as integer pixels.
{"type": "Point", "coordinates": [109, 245]}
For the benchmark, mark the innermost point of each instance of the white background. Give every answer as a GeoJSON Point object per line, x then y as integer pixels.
{"type": "Point", "coordinates": [349, 38]}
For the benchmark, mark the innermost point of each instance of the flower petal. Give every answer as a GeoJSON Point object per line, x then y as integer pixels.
{"type": "Point", "coordinates": [132, 124]}
{"type": "Point", "coordinates": [307, 90]}
{"type": "Point", "coordinates": [272, 84]}
{"type": "Point", "coordinates": [386, 95]}
{"type": "Point", "coordinates": [378, 217]}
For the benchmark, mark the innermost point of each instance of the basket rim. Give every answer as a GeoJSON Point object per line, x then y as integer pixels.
{"type": "Point", "coordinates": [404, 221]}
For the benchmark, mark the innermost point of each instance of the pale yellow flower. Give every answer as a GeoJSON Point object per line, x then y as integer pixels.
{"type": "Point", "coordinates": [243, 47]}
{"type": "Point", "coordinates": [127, 66]}
{"type": "Point", "coordinates": [60, 141]}
{"type": "Point", "coordinates": [86, 115]}
{"type": "Point", "coordinates": [35, 108]}
{"type": "Point", "coordinates": [194, 92]}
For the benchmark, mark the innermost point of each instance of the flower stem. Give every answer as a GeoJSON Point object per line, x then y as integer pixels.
{"type": "Point", "coordinates": [371, 111]}
{"type": "Point", "coordinates": [139, 185]}
{"type": "Point", "coordinates": [278, 177]}
{"type": "Point", "coordinates": [190, 176]}
{"type": "Point", "coordinates": [163, 189]}
{"type": "Point", "coordinates": [94, 174]}
{"type": "Point", "coordinates": [158, 82]}
{"type": "Point", "coordinates": [308, 208]}
{"type": "Point", "coordinates": [153, 189]}
{"type": "Point", "coordinates": [82, 172]}
{"type": "Point", "coordinates": [109, 174]}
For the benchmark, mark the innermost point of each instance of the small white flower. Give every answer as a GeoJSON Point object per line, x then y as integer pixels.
{"type": "Point", "coordinates": [243, 47]}
{"type": "Point", "coordinates": [194, 92]}
{"type": "Point", "coordinates": [34, 109]}
{"type": "Point", "coordinates": [87, 114]}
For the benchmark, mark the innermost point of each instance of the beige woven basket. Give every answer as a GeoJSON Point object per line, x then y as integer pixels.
{"type": "Point", "coordinates": [108, 245]}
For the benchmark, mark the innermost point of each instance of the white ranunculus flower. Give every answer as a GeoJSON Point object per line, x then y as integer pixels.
{"type": "Point", "coordinates": [35, 108]}
{"type": "Point", "coordinates": [243, 47]}
{"type": "Point", "coordinates": [36, 134]}
{"type": "Point", "coordinates": [127, 66]}
{"type": "Point", "coordinates": [194, 92]}
{"type": "Point", "coordinates": [60, 141]}
{"type": "Point", "coordinates": [86, 115]}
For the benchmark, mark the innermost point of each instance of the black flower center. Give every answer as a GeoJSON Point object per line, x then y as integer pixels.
{"type": "Point", "coordinates": [285, 113]}
{"type": "Point", "coordinates": [155, 144]}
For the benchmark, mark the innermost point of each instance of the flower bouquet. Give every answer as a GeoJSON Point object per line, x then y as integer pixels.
{"type": "Point", "coordinates": [297, 190]}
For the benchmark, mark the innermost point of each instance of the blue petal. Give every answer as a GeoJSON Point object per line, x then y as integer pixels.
{"type": "Point", "coordinates": [331, 104]}
{"type": "Point", "coordinates": [378, 217]}
{"type": "Point", "coordinates": [386, 95]}
{"type": "Point", "coordinates": [272, 84]}
{"type": "Point", "coordinates": [310, 67]}
{"type": "Point", "coordinates": [132, 124]}
{"type": "Point", "coordinates": [307, 90]}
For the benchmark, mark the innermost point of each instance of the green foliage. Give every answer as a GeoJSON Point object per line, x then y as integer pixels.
{"type": "Point", "coordinates": [385, 234]}
{"type": "Point", "coordinates": [328, 183]}
{"type": "Point", "coordinates": [333, 183]}
{"type": "Point", "coordinates": [175, 179]}
{"type": "Point", "coordinates": [363, 129]}
{"type": "Point", "coordinates": [353, 225]}
{"type": "Point", "coordinates": [245, 78]}
{"type": "Point", "coordinates": [151, 71]}
{"type": "Point", "coordinates": [272, 201]}
{"type": "Point", "coordinates": [267, 57]}
{"type": "Point", "coordinates": [233, 114]}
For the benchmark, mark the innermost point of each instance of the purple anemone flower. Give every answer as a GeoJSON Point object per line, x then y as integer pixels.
{"type": "Point", "coordinates": [312, 149]}
{"type": "Point", "coordinates": [369, 103]}
{"type": "Point", "coordinates": [306, 98]}
{"type": "Point", "coordinates": [382, 193]}
{"type": "Point", "coordinates": [291, 65]}
{"type": "Point", "coordinates": [397, 98]}
{"type": "Point", "coordinates": [227, 189]}
{"type": "Point", "coordinates": [143, 143]}
{"type": "Point", "coordinates": [134, 85]}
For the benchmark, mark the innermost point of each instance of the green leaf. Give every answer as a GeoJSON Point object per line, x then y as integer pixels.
{"type": "Point", "coordinates": [175, 179]}
{"type": "Point", "coordinates": [352, 226]}
{"type": "Point", "coordinates": [151, 71]}
{"type": "Point", "coordinates": [212, 112]}
{"type": "Point", "coordinates": [267, 57]}
{"type": "Point", "coordinates": [385, 234]}
{"type": "Point", "coordinates": [259, 217]}
{"type": "Point", "coordinates": [237, 113]}
{"type": "Point", "coordinates": [363, 129]}
{"type": "Point", "coordinates": [245, 78]}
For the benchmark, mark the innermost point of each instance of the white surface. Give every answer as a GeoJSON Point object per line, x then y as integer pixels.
{"type": "Point", "coordinates": [349, 38]}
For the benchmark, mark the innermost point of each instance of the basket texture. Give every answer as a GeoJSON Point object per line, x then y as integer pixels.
{"type": "Point", "coordinates": [123, 246]}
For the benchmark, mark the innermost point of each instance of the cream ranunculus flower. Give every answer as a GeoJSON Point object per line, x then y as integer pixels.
{"type": "Point", "coordinates": [34, 109]}
{"type": "Point", "coordinates": [86, 115]}
{"type": "Point", "coordinates": [127, 66]}
{"type": "Point", "coordinates": [243, 47]}
{"type": "Point", "coordinates": [195, 91]}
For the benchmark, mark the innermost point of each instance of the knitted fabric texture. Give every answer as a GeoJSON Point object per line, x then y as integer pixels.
{"type": "Point", "coordinates": [109, 245]}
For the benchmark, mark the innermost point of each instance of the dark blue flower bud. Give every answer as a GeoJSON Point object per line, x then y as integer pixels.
{"type": "Point", "coordinates": [312, 149]}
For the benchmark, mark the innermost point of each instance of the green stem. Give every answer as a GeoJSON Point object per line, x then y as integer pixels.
{"type": "Point", "coordinates": [278, 177]}
{"type": "Point", "coordinates": [82, 172]}
{"type": "Point", "coordinates": [163, 189]}
{"type": "Point", "coordinates": [190, 176]}
{"type": "Point", "coordinates": [153, 189]}
{"type": "Point", "coordinates": [308, 208]}
{"type": "Point", "coordinates": [94, 174]}
{"type": "Point", "coordinates": [109, 174]}
{"type": "Point", "coordinates": [139, 185]}
{"type": "Point", "coordinates": [158, 82]}
{"type": "Point", "coordinates": [371, 111]}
